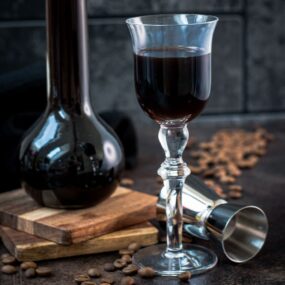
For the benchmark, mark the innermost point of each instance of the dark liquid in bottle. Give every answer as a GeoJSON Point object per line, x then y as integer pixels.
{"type": "Point", "coordinates": [172, 83]}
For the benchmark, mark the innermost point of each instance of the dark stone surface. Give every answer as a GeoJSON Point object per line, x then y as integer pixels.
{"type": "Point", "coordinates": [35, 9]}
{"type": "Point", "coordinates": [21, 46]}
{"type": "Point", "coordinates": [263, 186]}
{"type": "Point", "coordinates": [227, 72]}
{"type": "Point", "coordinates": [22, 9]}
{"type": "Point", "coordinates": [266, 56]}
{"type": "Point", "coordinates": [129, 7]}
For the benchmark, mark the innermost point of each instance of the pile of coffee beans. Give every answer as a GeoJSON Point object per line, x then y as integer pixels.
{"type": "Point", "coordinates": [221, 160]}
{"type": "Point", "coordinates": [129, 271]}
{"type": "Point", "coordinates": [30, 269]}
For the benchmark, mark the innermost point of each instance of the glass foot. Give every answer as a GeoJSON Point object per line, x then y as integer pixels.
{"type": "Point", "coordinates": [194, 258]}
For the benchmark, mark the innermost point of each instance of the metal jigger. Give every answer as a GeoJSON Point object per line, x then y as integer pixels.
{"type": "Point", "coordinates": [240, 229]}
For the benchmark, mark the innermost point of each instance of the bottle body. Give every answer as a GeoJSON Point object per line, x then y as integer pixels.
{"type": "Point", "coordinates": [70, 161]}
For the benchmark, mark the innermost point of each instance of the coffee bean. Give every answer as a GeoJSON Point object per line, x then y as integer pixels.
{"type": "Point", "coordinates": [81, 278]}
{"type": "Point", "coordinates": [88, 283]}
{"type": "Point", "coordinates": [185, 276]}
{"type": "Point", "coordinates": [107, 280]}
{"type": "Point", "coordinates": [227, 179]}
{"type": "Point", "coordinates": [127, 258]}
{"type": "Point", "coordinates": [43, 271]}
{"type": "Point", "coordinates": [94, 272]}
{"type": "Point", "coordinates": [9, 260]}
{"type": "Point", "coordinates": [220, 173]}
{"type": "Point", "coordinates": [126, 251]}
{"type": "Point", "coordinates": [4, 255]}
{"type": "Point", "coordinates": [259, 151]}
{"type": "Point", "coordinates": [128, 281]}
{"type": "Point", "coordinates": [233, 170]}
{"type": "Point", "coordinates": [119, 263]}
{"type": "Point", "coordinates": [134, 246]}
{"type": "Point", "coordinates": [209, 173]}
{"type": "Point", "coordinates": [235, 194]}
{"type": "Point", "coordinates": [146, 272]}
{"type": "Point", "coordinates": [127, 181]}
{"type": "Point", "coordinates": [28, 264]}
{"type": "Point", "coordinates": [130, 269]}
{"type": "Point", "coordinates": [237, 188]}
{"type": "Point", "coordinates": [30, 273]}
{"type": "Point", "coordinates": [8, 269]}
{"type": "Point", "coordinates": [196, 169]}
{"type": "Point", "coordinates": [109, 267]}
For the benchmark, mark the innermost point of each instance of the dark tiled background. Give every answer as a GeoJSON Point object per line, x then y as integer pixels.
{"type": "Point", "coordinates": [248, 51]}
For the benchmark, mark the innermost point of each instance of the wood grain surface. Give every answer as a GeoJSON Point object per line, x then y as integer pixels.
{"type": "Point", "coordinates": [124, 208]}
{"type": "Point", "coordinates": [28, 247]}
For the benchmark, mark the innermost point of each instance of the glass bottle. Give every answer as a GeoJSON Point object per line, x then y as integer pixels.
{"type": "Point", "coordinates": [69, 158]}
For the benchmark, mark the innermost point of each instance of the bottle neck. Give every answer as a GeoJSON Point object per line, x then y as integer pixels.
{"type": "Point", "coordinates": [67, 54]}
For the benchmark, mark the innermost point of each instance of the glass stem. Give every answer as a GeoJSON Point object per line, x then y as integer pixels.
{"type": "Point", "coordinates": [173, 171]}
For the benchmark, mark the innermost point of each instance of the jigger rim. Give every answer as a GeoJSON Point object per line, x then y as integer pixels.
{"type": "Point", "coordinates": [242, 208]}
{"type": "Point", "coordinates": [147, 20]}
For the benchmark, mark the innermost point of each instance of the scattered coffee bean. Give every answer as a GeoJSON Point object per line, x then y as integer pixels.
{"type": "Point", "coordinates": [109, 267]}
{"type": "Point", "coordinates": [9, 260]}
{"type": "Point", "coordinates": [185, 276]}
{"type": "Point", "coordinates": [8, 269]}
{"type": "Point", "coordinates": [5, 255]}
{"type": "Point", "coordinates": [30, 273]}
{"type": "Point", "coordinates": [235, 188]}
{"type": "Point", "coordinates": [81, 278]}
{"type": "Point", "coordinates": [233, 170]}
{"type": "Point", "coordinates": [227, 179]}
{"type": "Point", "coordinates": [130, 269]}
{"type": "Point", "coordinates": [88, 283]}
{"type": "Point", "coordinates": [128, 281]}
{"type": "Point", "coordinates": [94, 272]}
{"type": "Point", "coordinates": [107, 280]}
{"type": "Point", "coordinates": [234, 194]}
{"type": "Point", "coordinates": [134, 246]}
{"type": "Point", "coordinates": [126, 251]}
{"type": "Point", "coordinates": [127, 182]}
{"type": "Point", "coordinates": [28, 264]}
{"type": "Point", "coordinates": [119, 263]}
{"type": "Point", "coordinates": [209, 173]}
{"type": "Point", "coordinates": [43, 271]}
{"type": "Point", "coordinates": [259, 152]}
{"type": "Point", "coordinates": [127, 258]}
{"type": "Point", "coordinates": [146, 272]}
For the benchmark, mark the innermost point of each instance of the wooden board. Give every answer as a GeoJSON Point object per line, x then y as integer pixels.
{"type": "Point", "coordinates": [124, 208]}
{"type": "Point", "coordinates": [28, 247]}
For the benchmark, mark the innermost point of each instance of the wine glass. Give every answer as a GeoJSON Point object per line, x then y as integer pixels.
{"type": "Point", "coordinates": [172, 70]}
